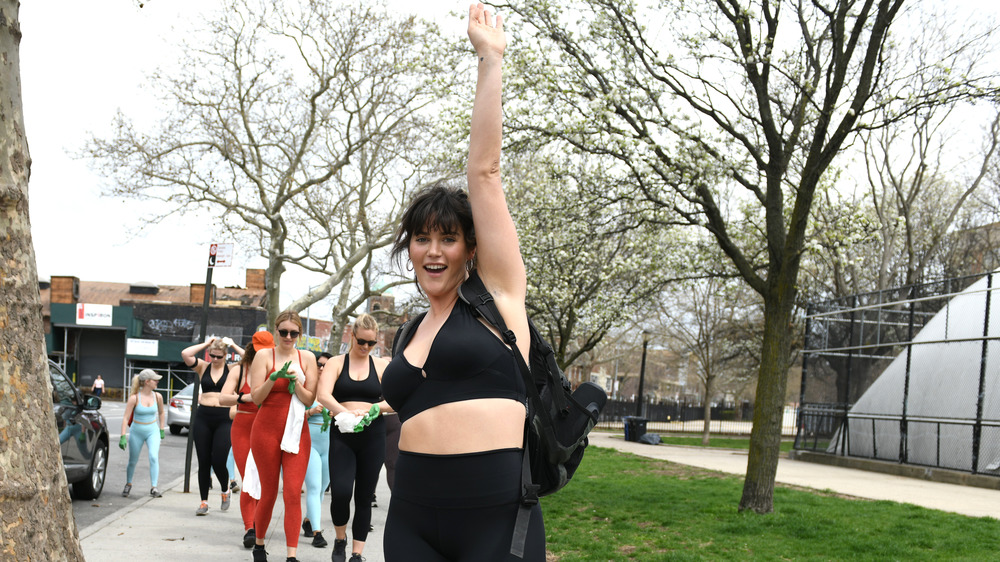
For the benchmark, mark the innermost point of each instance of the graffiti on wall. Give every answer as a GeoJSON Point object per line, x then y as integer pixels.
{"type": "Point", "coordinates": [172, 327]}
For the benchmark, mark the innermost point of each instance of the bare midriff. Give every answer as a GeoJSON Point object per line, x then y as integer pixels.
{"type": "Point", "coordinates": [469, 426]}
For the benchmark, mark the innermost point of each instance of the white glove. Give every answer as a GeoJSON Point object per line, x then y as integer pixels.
{"type": "Point", "coordinates": [228, 341]}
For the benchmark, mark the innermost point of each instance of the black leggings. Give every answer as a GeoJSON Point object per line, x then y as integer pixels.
{"type": "Point", "coordinates": [355, 462]}
{"type": "Point", "coordinates": [210, 432]}
{"type": "Point", "coordinates": [459, 508]}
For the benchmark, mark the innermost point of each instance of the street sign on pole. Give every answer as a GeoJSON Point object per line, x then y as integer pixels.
{"type": "Point", "coordinates": [220, 255]}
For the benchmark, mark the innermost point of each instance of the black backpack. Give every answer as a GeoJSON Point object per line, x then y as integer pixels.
{"type": "Point", "coordinates": [559, 419]}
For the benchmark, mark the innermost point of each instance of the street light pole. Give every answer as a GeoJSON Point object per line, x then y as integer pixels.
{"type": "Point", "coordinates": [642, 374]}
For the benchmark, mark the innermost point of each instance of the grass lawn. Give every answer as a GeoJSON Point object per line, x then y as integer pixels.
{"type": "Point", "coordinates": [720, 442]}
{"type": "Point", "coordinates": [625, 507]}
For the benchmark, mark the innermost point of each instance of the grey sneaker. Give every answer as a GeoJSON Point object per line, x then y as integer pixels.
{"type": "Point", "coordinates": [225, 501]}
{"type": "Point", "coordinates": [202, 509]}
{"type": "Point", "coordinates": [234, 486]}
{"type": "Point", "coordinates": [155, 492]}
{"type": "Point", "coordinates": [339, 548]}
{"type": "Point", "coordinates": [127, 490]}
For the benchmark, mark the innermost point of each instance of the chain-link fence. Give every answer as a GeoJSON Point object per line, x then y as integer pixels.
{"type": "Point", "coordinates": [908, 375]}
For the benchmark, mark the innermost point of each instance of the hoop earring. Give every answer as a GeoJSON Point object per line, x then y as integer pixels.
{"type": "Point", "coordinates": [409, 265]}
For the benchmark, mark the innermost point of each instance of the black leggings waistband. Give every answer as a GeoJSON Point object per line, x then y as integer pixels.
{"type": "Point", "coordinates": [462, 480]}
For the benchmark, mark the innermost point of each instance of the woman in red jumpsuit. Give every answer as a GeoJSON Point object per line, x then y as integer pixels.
{"type": "Point", "coordinates": [237, 392]}
{"type": "Point", "coordinates": [271, 375]}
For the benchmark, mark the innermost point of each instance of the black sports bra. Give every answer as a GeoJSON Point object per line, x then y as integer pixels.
{"type": "Point", "coordinates": [347, 389]}
{"type": "Point", "coordinates": [208, 385]}
{"type": "Point", "coordinates": [466, 361]}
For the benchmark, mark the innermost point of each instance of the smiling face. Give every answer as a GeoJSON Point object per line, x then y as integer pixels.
{"type": "Point", "coordinates": [439, 260]}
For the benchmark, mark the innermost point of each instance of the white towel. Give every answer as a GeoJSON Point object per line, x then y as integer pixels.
{"type": "Point", "coordinates": [293, 426]}
{"type": "Point", "coordinates": [251, 480]}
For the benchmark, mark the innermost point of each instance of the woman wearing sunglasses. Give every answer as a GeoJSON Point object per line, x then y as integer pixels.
{"type": "Point", "coordinates": [236, 393]}
{"type": "Point", "coordinates": [353, 383]}
{"type": "Point", "coordinates": [283, 383]}
{"type": "Point", "coordinates": [455, 384]}
{"type": "Point", "coordinates": [211, 424]}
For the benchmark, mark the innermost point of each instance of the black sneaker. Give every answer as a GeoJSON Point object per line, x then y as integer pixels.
{"type": "Point", "coordinates": [249, 538]}
{"type": "Point", "coordinates": [339, 550]}
{"type": "Point", "coordinates": [259, 554]}
{"type": "Point", "coordinates": [318, 540]}
{"type": "Point", "coordinates": [307, 528]}
{"type": "Point", "coordinates": [356, 557]}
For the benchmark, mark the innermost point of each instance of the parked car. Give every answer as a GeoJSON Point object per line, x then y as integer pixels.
{"type": "Point", "coordinates": [83, 435]}
{"type": "Point", "coordinates": [179, 410]}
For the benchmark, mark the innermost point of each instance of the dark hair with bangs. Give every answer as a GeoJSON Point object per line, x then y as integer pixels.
{"type": "Point", "coordinates": [441, 208]}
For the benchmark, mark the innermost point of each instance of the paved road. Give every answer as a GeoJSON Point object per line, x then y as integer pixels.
{"type": "Point", "coordinates": [172, 453]}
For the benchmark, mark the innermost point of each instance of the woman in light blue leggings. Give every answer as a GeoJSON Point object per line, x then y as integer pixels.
{"type": "Point", "coordinates": [318, 471]}
{"type": "Point", "coordinates": [144, 406]}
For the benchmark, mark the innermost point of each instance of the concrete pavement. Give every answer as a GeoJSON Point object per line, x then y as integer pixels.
{"type": "Point", "coordinates": [168, 529]}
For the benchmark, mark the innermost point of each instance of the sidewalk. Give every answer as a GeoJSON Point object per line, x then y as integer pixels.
{"type": "Point", "coordinates": [967, 500]}
{"type": "Point", "coordinates": [166, 528]}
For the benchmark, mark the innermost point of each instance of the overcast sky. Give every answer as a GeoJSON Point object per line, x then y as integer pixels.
{"type": "Point", "coordinates": [80, 62]}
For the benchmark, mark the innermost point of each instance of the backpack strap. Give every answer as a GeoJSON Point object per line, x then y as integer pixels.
{"type": "Point", "coordinates": [474, 293]}
{"type": "Point", "coordinates": [405, 333]}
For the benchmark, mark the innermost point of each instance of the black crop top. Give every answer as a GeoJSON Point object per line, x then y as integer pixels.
{"type": "Point", "coordinates": [208, 385]}
{"type": "Point", "coordinates": [347, 389]}
{"type": "Point", "coordinates": [466, 361]}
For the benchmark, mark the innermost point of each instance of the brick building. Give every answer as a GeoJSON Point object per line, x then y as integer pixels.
{"type": "Point", "coordinates": [116, 329]}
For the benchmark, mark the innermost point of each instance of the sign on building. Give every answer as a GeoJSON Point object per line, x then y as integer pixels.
{"type": "Point", "coordinates": [136, 346]}
{"type": "Point", "coordinates": [93, 314]}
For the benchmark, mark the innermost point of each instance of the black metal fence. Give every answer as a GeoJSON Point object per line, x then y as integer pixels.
{"type": "Point", "coordinates": [685, 417]}
{"type": "Point", "coordinates": [908, 375]}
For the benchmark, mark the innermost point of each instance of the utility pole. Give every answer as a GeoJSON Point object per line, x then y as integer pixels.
{"type": "Point", "coordinates": [212, 258]}
{"type": "Point", "coordinates": [642, 374]}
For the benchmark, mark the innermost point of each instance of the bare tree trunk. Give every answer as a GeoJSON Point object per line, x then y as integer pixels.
{"type": "Point", "coordinates": [706, 430]}
{"type": "Point", "coordinates": [36, 517]}
{"type": "Point", "coordinates": [765, 438]}
{"type": "Point", "coordinates": [272, 281]}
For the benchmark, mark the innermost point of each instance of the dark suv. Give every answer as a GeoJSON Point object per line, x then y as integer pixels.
{"type": "Point", "coordinates": [83, 435]}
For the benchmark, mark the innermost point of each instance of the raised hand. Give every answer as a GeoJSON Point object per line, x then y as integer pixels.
{"type": "Point", "coordinates": [487, 37]}
{"type": "Point", "coordinates": [283, 373]}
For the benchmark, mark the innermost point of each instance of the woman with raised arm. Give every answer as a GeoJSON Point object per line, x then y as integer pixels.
{"type": "Point", "coordinates": [211, 424]}
{"type": "Point", "coordinates": [353, 383]}
{"type": "Point", "coordinates": [283, 380]}
{"type": "Point", "coordinates": [456, 385]}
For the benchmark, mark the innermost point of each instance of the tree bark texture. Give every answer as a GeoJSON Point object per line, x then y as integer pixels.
{"type": "Point", "coordinates": [36, 515]}
{"type": "Point", "coordinates": [772, 379]}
